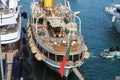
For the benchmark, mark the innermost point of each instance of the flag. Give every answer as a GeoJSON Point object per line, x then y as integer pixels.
{"type": "Point", "coordinates": [68, 52]}
{"type": "Point", "coordinates": [62, 65]}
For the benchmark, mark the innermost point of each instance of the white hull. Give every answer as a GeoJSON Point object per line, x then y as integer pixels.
{"type": "Point", "coordinates": [56, 66]}
{"type": "Point", "coordinates": [114, 14]}
{"type": "Point", "coordinates": [66, 70]}
{"type": "Point", "coordinates": [117, 25]}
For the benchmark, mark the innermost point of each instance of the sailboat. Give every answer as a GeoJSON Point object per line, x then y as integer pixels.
{"type": "Point", "coordinates": [53, 30]}
{"type": "Point", "coordinates": [114, 12]}
{"type": "Point", "coordinates": [10, 40]}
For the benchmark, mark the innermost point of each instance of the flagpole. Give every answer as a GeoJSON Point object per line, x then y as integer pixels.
{"type": "Point", "coordinates": [68, 40]}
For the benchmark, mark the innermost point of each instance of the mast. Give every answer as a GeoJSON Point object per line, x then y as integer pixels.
{"type": "Point", "coordinates": [53, 11]}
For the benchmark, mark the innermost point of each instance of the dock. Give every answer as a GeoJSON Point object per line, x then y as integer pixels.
{"type": "Point", "coordinates": [9, 66]}
{"type": "Point", "coordinates": [77, 73]}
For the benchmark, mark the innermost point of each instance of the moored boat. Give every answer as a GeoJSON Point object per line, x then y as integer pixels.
{"type": "Point", "coordinates": [54, 29]}
{"type": "Point", "coordinates": [10, 40]}
{"type": "Point", "coordinates": [111, 53]}
{"type": "Point", "coordinates": [114, 13]}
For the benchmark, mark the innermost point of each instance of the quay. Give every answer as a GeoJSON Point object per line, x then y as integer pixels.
{"type": "Point", "coordinates": [77, 73]}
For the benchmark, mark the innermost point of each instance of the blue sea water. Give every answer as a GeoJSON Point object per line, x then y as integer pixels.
{"type": "Point", "coordinates": [98, 35]}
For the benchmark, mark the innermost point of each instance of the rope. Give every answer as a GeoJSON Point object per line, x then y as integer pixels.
{"type": "Point", "coordinates": [44, 72]}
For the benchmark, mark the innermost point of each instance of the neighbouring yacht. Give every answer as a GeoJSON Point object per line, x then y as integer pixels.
{"type": "Point", "coordinates": [114, 12]}
{"type": "Point", "coordinates": [55, 29]}
{"type": "Point", "coordinates": [10, 40]}
{"type": "Point", "coordinates": [113, 52]}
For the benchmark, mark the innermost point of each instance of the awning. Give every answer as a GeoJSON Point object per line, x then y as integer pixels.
{"type": "Point", "coordinates": [57, 23]}
{"type": "Point", "coordinates": [71, 26]}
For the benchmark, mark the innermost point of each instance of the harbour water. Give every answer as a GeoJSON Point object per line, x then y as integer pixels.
{"type": "Point", "coordinates": [98, 35]}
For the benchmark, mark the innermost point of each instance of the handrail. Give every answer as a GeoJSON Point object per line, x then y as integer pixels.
{"type": "Point", "coordinates": [76, 17]}
{"type": "Point", "coordinates": [68, 5]}
{"type": "Point", "coordinates": [10, 15]}
{"type": "Point", "coordinates": [37, 21]}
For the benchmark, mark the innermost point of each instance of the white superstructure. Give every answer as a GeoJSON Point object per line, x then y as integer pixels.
{"type": "Point", "coordinates": [10, 38]}
{"type": "Point", "coordinates": [114, 12]}
{"type": "Point", "coordinates": [10, 21]}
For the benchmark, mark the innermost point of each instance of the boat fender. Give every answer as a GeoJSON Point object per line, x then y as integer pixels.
{"type": "Point", "coordinates": [28, 22]}
{"type": "Point", "coordinates": [24, 15]}
{"type": "Point", "coordinates": [31, 44]}
{"type": "Point", "coordinates": [33, 49]}
{"type": "Point", "coordinates": [29, 32]}
{"type": "Point", "coordinates": [86, 55]}
{"type": "Point", "coordinates": [30, 40]}
{"type": "Point", "coordinates": [85, 48]}
{"type": "Point", "coordinates": [38, 56]}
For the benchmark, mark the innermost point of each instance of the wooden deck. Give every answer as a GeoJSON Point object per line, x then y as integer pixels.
{"type": "Point", "coordinates": [9, 62]}
{"type": "Point", "coordinates": [54, 45]}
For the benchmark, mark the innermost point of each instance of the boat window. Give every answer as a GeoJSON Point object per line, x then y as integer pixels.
{"type": "Point", "coordinates": [46, 53]}
{"type": "Point", "coordinates": [52, 56]}
{"type": "Point", "coordinates": [5, 29]}
{"type": "Point", "coordinates": [40, 48]}
{"type": "Point", "coordinates": [81, 56]}
{"type": "Point", "coordinates": [59, 58]}
{"type": "Point", "coordinates": [40, 20]}
{"type": "Point", "coordinates": [70, 58]}
{"type": "Point", "coordinates": [10, 47]}
{"type": "Point", "coordinates": [76, 57]}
